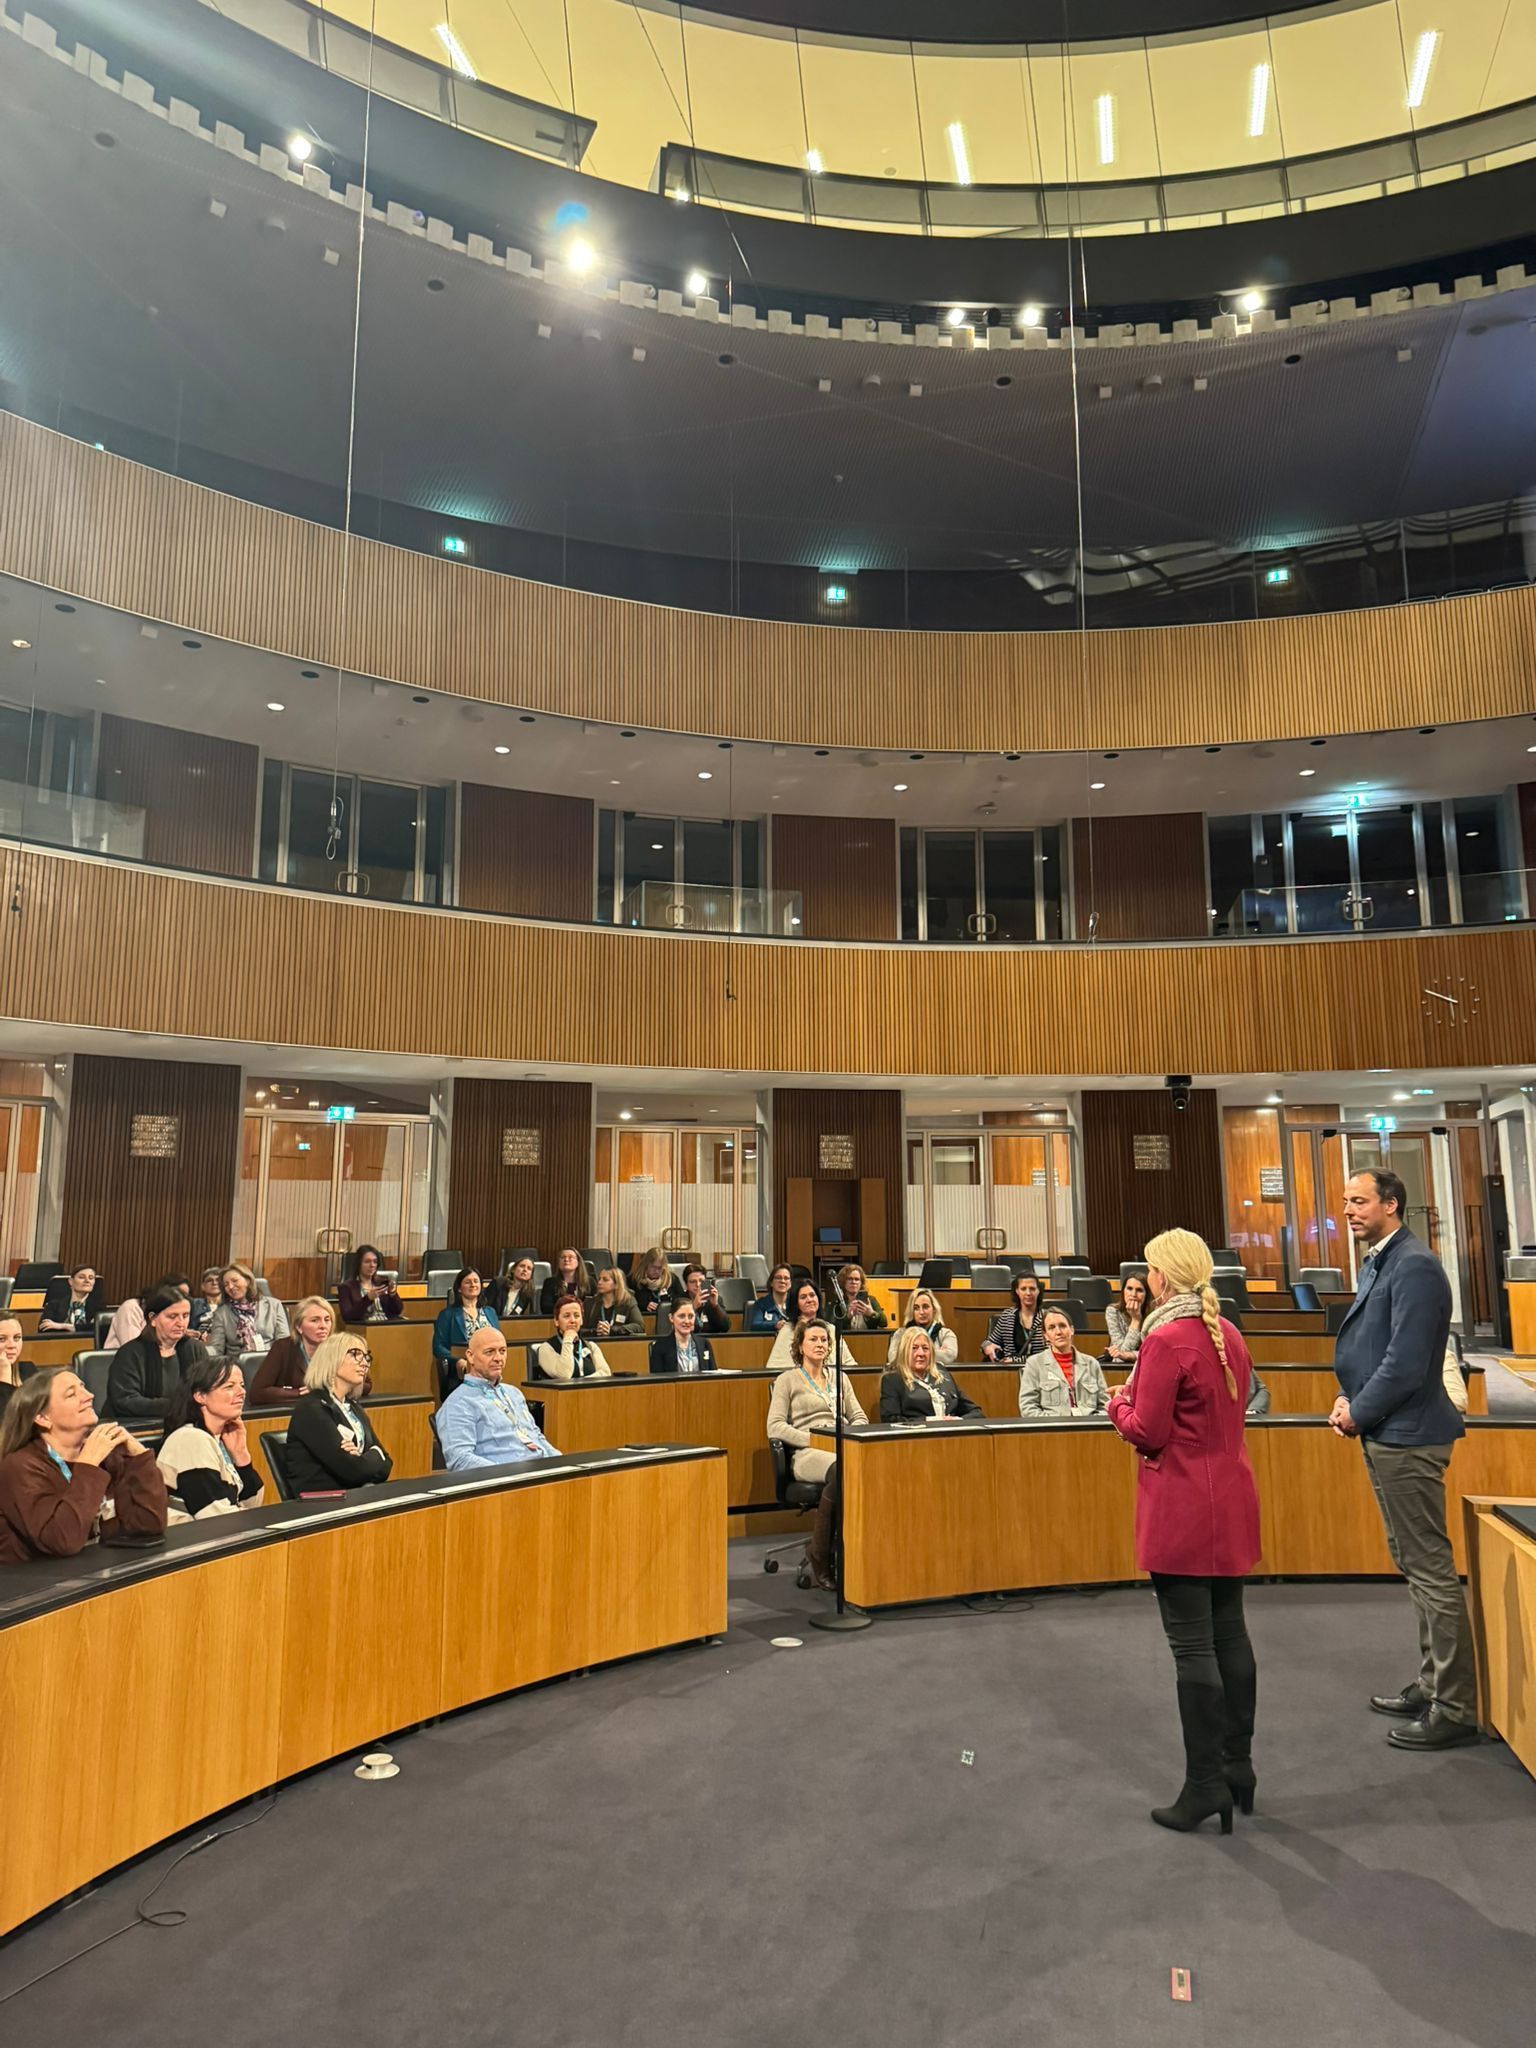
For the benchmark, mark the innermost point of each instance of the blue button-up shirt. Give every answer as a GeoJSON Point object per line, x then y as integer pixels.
{"type": "Point", "coordinates": [481, 1424]}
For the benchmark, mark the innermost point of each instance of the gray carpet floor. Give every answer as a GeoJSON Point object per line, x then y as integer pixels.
{"type": "Point", "coordinates": [934, 1832]}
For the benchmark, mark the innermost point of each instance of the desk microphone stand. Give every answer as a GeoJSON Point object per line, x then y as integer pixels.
{"type": "Point", "coordinates": [843, 1618]}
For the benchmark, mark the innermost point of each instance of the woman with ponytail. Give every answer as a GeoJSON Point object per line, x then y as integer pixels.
{"type": "Point", "coordinates": [1197, 1519]}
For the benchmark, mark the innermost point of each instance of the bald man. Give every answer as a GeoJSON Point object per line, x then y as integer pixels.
{"type": "Point", "coordinates": [483, 1422]}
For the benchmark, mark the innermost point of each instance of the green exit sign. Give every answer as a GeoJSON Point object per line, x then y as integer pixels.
{"type": "Point", "coordinates": [340, 1113]}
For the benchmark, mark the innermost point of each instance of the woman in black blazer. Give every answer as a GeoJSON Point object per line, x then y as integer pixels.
{"type": "Point", "coordinates": [72, 1302]}
{"type": "Point", "coordinates": [917, 1388]}
{"type": "Point", "coordinates": [331, 1443]}
{"type": "Point", "coordinates": [687, 1349]}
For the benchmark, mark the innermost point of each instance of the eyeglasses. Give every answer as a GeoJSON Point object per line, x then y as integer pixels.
{"type": "Point", "coordinates": [365, 1356]}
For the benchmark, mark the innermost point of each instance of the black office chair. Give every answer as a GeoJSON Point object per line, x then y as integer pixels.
{"type": "Point", "coordinates": [511, 1253]}
{"type": "Point", "coordinates": [535, 1370]}
{"type": "Point", "coordinates": [1090, 1292]}
{"type": "Point", "coordinates": [274, 1448]}
{"type": "Point", "coordinates": [596, 1256]}
{"type": "Point", "coordinates": [1232, 1286]}
{"type": "Point", "coordinates": [1304, 1297]}
{"type": "Point", "coordinates": [440, 1261]}
{"type": "Point", "coordinates": [888, 1269]}
{"type": "Point", "coordinates": [93, 1367]}
{"type": "Point", "coordinates": [1231, 1309]}
{"type": "Point", "coordinates": [803, 1495]}
{"type": "Point", "coordinates": [37, 1273]}
{"type": "Point", "coordinates": [1071, 1259]}
{"type": "Point", "coordinates": [936, 1273]}
{"type": "Point", "coordinates": [103, 1324]}
{"type": "Point", "coordinates": [960, 1266]}
{"type": "Point", "coordinates": [1018, 1262]}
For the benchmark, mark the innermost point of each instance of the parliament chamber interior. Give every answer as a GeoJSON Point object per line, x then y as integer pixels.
{"type": "Point", "coordinates": [768, 834]}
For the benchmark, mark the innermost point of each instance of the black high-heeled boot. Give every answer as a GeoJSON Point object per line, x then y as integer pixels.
{"type": "Point", "coordinates": [1203, 1715]}
{"type": "Point", "coordinates": [1241, 1782]}
{"type": "Point", "coordinates": [1240, 1686]}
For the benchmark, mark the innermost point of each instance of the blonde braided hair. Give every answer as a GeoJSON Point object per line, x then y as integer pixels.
{"type": "Point", "coordinates": [1186, 1261]}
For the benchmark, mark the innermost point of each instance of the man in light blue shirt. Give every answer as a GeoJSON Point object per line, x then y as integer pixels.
{"type": "Point", "coordinates": [482, 1422]}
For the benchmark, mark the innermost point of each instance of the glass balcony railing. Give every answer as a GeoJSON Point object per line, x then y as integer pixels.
{"type": "Point", "coordinates": [1314, 909]}
{"type": "Point", "coordinates": [51, 817]}
{"type": "Point", "coordinates": [700, 907]}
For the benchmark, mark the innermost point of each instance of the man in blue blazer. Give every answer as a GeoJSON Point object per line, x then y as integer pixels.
{"type": "Point", "coordinates": [1389, 1357]}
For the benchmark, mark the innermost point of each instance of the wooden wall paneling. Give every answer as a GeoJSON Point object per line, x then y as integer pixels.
{"type": "Point", "coordinates": [97, 526]}
{"type": "Point", "coordinates": [138, 1218]}
{"type": "Point", "coordinates": [845, 872]}
{"type": "Point", "coordinates": [198, 793]}
{"type": "Point", "coordinates": [525, 853]}
{"type": "Point", "coordinates": [1124, 1206]}
{"type": "Point", "coordinates": [587, 996]}
{"type": "Point", "coordinates": [491, 1204]}
{"type": "Point", "coordinates": [873, 1118]}
{"type": "Point", "coordinates": [1145, 877]}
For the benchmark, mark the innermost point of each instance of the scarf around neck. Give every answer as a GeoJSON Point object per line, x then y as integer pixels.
{"type": "Point", "coordinates": [1177, 1308]}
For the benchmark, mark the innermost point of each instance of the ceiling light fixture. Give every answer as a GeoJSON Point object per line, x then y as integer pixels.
{"type": "Point", "coordinates": [626, 1116]}
{"type": "Point", "coordinates": [458, 56]}
{"type": "Point", "coordinates": [21, 643]}
{"type": "Point", "coordinates": [580, 256]}
{"type": "Point", "coordinates": [815, 163]}
{"type": "Point", "coordinates": [503, 750]}
{"type": "Point", "coordinates": [1273, 1098]}
{"type": "Point", "coordinates": [1306, 771]}
{"type": "Point", "coordinates": [1250, 302]}
{"type": "Point", "coordinates": [277, 707]}
{"type": "Point", "coordinates": [301, 149]}
{"type": "Point", "coordinates": [899, 787]}
{"type": "Point", "coordinates": [1258, 100]}
{"type": "Point", "coordinates": [955, 317]}
{"type": "Point", "coordinates": [1423, 59]}
{"type": "Point", "coordinates": [706, 775]}
{"type": "Point", "coordinates": [1029, 316]}
{"type": "Point", "coordinates": [698, 283]}
{"type": "Point", "coordinates": [1095, 785]}
{"type": "Point", "coordinates": [1104, 114]}
{"type": "Point", "coordinates": [957, 153]}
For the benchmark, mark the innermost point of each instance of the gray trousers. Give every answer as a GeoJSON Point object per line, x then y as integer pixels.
{"type": "Point", "coordinates": [1409, 1481]}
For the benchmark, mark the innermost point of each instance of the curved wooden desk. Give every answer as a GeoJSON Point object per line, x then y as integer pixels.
{"type": "Point", "coordinates": [244, 1651]}
{"type": "Point", "coordinates": [942, 1510]}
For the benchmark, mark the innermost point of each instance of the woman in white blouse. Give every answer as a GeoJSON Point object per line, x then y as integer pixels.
{"type": "Point", "coordinates": [568, 1355]}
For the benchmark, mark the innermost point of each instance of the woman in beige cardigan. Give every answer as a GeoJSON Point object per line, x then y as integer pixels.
{"type": "Point", "coordinates": [568, 1355]}
{"type": "Point", "coordinates": [801, 1402]}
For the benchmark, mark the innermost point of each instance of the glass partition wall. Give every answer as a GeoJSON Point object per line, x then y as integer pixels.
{"type": "Point", "coordinates": [693, 1192]}
{"type": "Point", "coordinates": [986, 1192]}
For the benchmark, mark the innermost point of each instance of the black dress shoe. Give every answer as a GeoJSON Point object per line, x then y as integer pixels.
{"type": "Point", "coordinates": [1410, 1703]}
{"type": "Point", "coordinates": [1436, 1731]}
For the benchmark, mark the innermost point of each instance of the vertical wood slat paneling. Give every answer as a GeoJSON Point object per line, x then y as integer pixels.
{"type": "Point", "coordinates": [138, 1218]}
{"type": "Point", "coordinates": [872, 1117]}
{"type": "Point", "coordinates": [1145, 877]}
{"type": "Point", "coordinates": [524, 853]}
{"type": "Point", "coordinates": [99, 527]}
{"type": "Point", "coordinates": [491, 1205]}
{"type": "Point", "coordinates": [198, 793]}
{"type": "Point", "coordinates": [1123, 1207]}
{"type": "Point", "coordinates": [844, 870]}
{"type": "Point", "coordinates": [450, 986]}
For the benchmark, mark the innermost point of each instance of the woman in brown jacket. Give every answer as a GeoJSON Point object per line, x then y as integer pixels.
{"type": "Point", "coordinates": [58, 1467]}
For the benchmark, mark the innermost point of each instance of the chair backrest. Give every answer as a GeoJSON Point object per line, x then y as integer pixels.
{"type": "Point", "coordinates": [103, 1324]}
{"type": "Point", "coordinates": [783, 1470]}
{"type": "Point", "coordinates": [33, 1273]}
{"type": "Point", "coordinates": [735, 1292]}
{"type": "Point", "coordinates": [263, 1286]}
{"type": "Point", "coordinates": [535, 1370]}
{"type": "Point", "coordinates": [960, 1264]}
{"type": "Point", "coordinates": [1232, 1309]}
{"type": "Point", "coordinates": [991, 1277]}
{"type": "Point", "coordinates": [511, 1253]}
{"type": "Point", "coordinates": [1062, 1278]}
{"type": "Point", "coordinates": [541, 1271]}
{"type": "Point", "coordinates": [6, 1284]}
{"type": "Point", "coordinates": [596, 1256]}
{"type": "Point", "coordinates": [93, 1367]}
{"type": "Point", "coordinates": [440, 1280]}
{"type": "Point", "coordinates": [436, 1258]}
{"type": "Point", "coordinates": [248, 1361]}
{"type": "Point", "coordinates": [1072, 1259]}
{"type": "Point", "coordinates": [1017, 1263]}
{"type": "Point", "coordinates": [753, 1268]}
{"type": "Point", "coordinates": [890, 1269]}
{"type": "Point", "coordinates": [1136, 1267]}
{"type": "Point", "coordinates": [274, 1448]}
{"type": "Point", "coordinates": [936, 1273]}
{"type": "Point", "coordinates": [1326, 1279]}
{"type": "Point", "coordinates": [1090, 1290]}
{"type": "Point", "coordinates": [1334, 1313]}
{"type": "Point", "coordinates": [1304, 1295]}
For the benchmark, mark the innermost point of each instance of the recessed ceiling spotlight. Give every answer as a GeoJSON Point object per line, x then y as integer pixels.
{"type": "Point", "coordinates": [503, 750]}
{"type": "Point", "coordinates": [898, 787]}
{"type": "Point", "coordinates": [626, 1116]}
{"type": "Point", "coordinates": [822, 753]}
{"type": "Point", "coordinates": [725, 746]}
{"type": "Point", "coordinates": [580, 255]}
{"type": "Point", "coordinates": [706, 775]}
{"type": "Point", "coordinates": [1250, 302]}
{"type": "Point", "coordinates": [526, 718]}
{"type": "Point", "coordinates": [300, 148]}
{"type": "Point", "coordinates": [1095, 785]}
{"type": "Point", "coordinates": [698, 283]}
{"type": "Point", "coordinates": [613, 782]}
{"type": "Point", "coordinates": [63, 607]}
{"type": "Point", "coordinates": [1306, 771]}
{"type": "Point", "coordinates": [1029, 316]}
{"type": "Point", "coordinates": [277, 707]}
{"type": "Point", "coordinates": [627, 732]}
{"type": "Point", "coordinates": [956, 316]}
{"type": "Point", "coordinates": [1317, 743]}
{"type": "Point", "coordinates": [21, 643]}
{"type": "Point", "coordinates": [1426, 730]}
{"type": "Point", "coordinates": [657, 846]}
{"type": "Point", "coordinates": [193, 644]}
{"type": "Point", "coordinates": [310, 675]}
{"type": "Point", "coordinates": [682, 195]}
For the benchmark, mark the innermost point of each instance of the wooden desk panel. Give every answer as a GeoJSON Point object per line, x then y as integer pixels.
{"type": "Point", "coordinates": [402, 1358]}
{"type": "Point", "coordinates": [920, 1519]}
{"type": "Point", "coordinates": [404, 1429]}
{"type": "Point", "coordinates": [1066, 1506]}
{"type": "Point", "coordinates": [102, 1753]}
{"type": "Point", "coordinates": [1501, 1594]}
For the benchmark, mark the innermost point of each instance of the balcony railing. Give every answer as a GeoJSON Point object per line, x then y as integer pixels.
{"type": "Point", "coordinates": [698, 907]}
{"type": "Point", "coordinates": [1315, 908]}
{"type": "Point", "coordinates": [50, 817]}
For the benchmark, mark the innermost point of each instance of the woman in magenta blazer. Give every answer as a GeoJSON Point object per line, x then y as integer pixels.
{"type": "Point", "coordinates": [1197, 1519]}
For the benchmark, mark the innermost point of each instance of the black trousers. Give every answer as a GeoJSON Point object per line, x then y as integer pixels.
{"type": "Point", "coordinates": [1207, 1633]}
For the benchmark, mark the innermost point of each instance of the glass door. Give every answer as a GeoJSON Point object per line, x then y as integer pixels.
{"type": "Point", "coordinates": [1013, 1189]}
{"type": "Point", "coordinates": [21, 1155]}
{"type": "Point", "coordinates": [693, 1192]}
{"type": "Point", "coordinates": [949, 886]}
{"type": "Point", "coordinates": [959, 1200]}
{"type": "Point", "coordinates": [311, 1190]}
{"type": "Point", "coordinates": [1323, 868]}
{"type": "Point", "coordinates": [1317, 1233]}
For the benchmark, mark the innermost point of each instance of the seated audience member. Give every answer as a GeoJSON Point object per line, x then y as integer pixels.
{"type": "Point", "coordinates": [518, 1295]}
{"type": "Point", "coordinates": [652, 1281]}
{"type": "Point", "coordinates": [72, 1302]}
{"type": "Point", "coordinates": [11, 1346]}
{"type": "Point", "coordinates": [1020, 1329]}
{"type": "Point", "coordinates": [807, 1305]}
{"type": "Point", "coordinates": [245, 1320]}
{"type": "Point", "coordinates": [925, 1314]}
{"type": "Point", "coordinates": [569, 1354]}
{"type": "Point", "coordinates": [483, 1421]}
{"type": "Point", "coordinates": [858, 1308]}
{"type": "Point", "coordinates": [802, 1402]}
{"type": "Point", "coordinates": [1061, 1380]}
{"type": "Point", "coordinates": [612, 1310]}
{"type": "Point", "coordinates": [1258, 1395]}
{"type": "Point", "coordinates": [771, 1311]}
{"type": "Point", "coordinates": [920, 1390]}
{"type": "Point", "coordinates": [128, 1320]}
{"type": "Point", "coordinates": [365, 1298]}
{"type": "Point", "coordinates": [210, 1292]}
{"type": "Point", "coordinates": [280, 1375]}
{"type": "Point", "coordinates": [205, 1459]}
{"type": "Point", "coordinates": [467, 1311]}
{"type": "Point", "coordinates": [331, 1442]}
{"type": "Point", "coordinates": [58, 1467]}
{"type": "Point", "coordinates": [147, 1369]}
{"type": "Point", "coordinates": [685, 1348]}
{"type": "Point", "coordinates": [699, 1287]}
{"type": "Point", "coordinates": [1123, 1320]}
{"type": "Point", "coordinates": [570, 1280]}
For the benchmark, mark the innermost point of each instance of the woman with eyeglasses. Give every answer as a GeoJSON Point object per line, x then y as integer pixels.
{"type": "Point", "coordinates": [331, 1443]}
{"type": "Point", "coordinates": [773, 1309]}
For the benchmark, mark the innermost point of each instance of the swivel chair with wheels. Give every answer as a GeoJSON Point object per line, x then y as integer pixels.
{"type": "Point", "coordinates": [803, 1495]}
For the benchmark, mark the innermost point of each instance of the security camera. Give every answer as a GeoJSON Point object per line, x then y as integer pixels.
{"type": "Point", "coordinates": [1178, 1086]}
